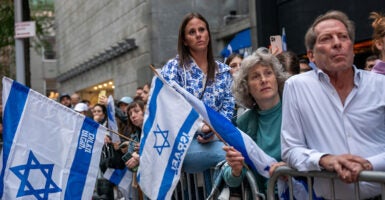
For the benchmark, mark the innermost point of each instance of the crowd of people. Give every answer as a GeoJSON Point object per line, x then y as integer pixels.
{"type": "Point", "coordinates": [129, 114]}
{"type": "Point", "coordinates": [316, 113]}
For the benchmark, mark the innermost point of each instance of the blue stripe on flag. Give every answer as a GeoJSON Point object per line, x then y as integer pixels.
{"type": "Point", "coordinates": [152, 110]}
{"type": "Point", "coordinates": [150, 120]}
{"type": "Point", "coordinates": [12, 113]}
{"type": "Point", "coordinates": [81, 163]}
{"type": "Point", "coordinates": [180, 147]}
{"type": "Point", "coordinates": [117, 176]}
{"type": "Point", "coordinates": [228, 132]}
{"type": "Point", "coordinates": [254, 155]}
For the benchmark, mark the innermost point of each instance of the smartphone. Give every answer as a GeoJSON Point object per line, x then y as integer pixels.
{"type": "Point", "coordinates": [276, 43]}
{"type": "Point", "coordinates": [102, 93]}
{"type": "Point", "coordinates": [131, 148]}
{"type": "Point", "coordinates": [127, 156]}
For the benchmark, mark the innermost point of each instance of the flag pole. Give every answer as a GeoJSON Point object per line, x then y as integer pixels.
{"type": "Point", "coordinates": [154, 70]}
{"type": "Point", "coordinates": [225, 143]}
{"type": "Point", "coordinates": [121, 135]}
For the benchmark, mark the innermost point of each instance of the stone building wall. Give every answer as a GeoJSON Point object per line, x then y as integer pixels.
{"type": "Point", "coordinates": [87, 27]}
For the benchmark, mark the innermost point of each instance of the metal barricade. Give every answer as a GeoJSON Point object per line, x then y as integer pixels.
{"type": "Point", "coordinates": [368, 176]}
{"type": "Point", "coordinates": [192, 186]}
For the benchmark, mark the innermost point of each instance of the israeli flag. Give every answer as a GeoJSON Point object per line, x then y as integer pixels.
{"type": "Point", "coordinates": [284, 43]}
{"type": "Point", "coordinates": [111, 119]}
{"type": "Point", "coordinates": [254, 156]}
{"type": "Point", "coordinates": [169, 126]}
{"type": "Point", "coordinates": [50, 151]}
{"type": "Point", "coordinates": [119, 177]}
{"type": "Point", "coordinates": [122, 178]}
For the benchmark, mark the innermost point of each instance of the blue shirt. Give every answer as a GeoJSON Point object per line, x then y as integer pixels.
{"type": "Point", "coordinates": [218, 95]}
{"type": "Point", "coordinates": [315, 123]}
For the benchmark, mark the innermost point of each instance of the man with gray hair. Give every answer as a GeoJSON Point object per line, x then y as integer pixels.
{"type": "Point", "coordinates": [334, 116]}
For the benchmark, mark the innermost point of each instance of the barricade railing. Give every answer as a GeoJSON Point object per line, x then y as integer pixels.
{"type": "Point", "coordinates": [193, 186]}
{"type": "Point", "coordinates": [368, 176]}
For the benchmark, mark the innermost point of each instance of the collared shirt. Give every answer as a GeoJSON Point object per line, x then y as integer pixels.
{"type": "Point", "coordinates": [217, 95]}
{"type": "Point", "coordinates": [315, 123]}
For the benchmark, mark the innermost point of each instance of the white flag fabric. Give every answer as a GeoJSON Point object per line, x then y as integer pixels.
{"type": "Point", "coordinates": [254, 156]}
{"type": "Point", "coordinates": [111, 119]}
{"type": "Point", "coordinates": [169, 126]}
{"type": "Point", "coordinates": [120, 177]}
{"type": "Point", "coordinates": [49, 151]}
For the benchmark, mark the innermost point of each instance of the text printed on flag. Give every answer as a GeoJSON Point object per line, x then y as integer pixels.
{"type": "Point", "coordinates": [86, 142]}
{"type": "Point", "coordinates": [181, 148]}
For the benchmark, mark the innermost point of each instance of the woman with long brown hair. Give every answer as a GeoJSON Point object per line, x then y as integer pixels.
{"type": "Point", "coordinates": [195, 69]}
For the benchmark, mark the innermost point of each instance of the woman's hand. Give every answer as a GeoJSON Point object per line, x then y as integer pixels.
{"type": "Point", "coordinates": [137, 147]}
{"type": "Point", "coordinates": [103, 100]}
{"type": "Point", "coordinates": [107, 139]}
{"type": "Point", "coordinates": [116, 145]}
{"type": "Point", "coordinates": [124, 147]}
{"type": "Point", "coordinates": [274, 166]}
{"type": "Point", "coordinates": [133, 161]}
{"type": "Point", "coordinates": [274, 50]}
{"type": "Point", "coordinates": [235, 160]}
{"type": "Point", "coordinates": [205, 130]}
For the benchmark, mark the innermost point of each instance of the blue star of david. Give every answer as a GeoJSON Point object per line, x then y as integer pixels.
{"type": "Point", "coordinates": [26, 188]}
{"type": "Point", "coordinates": [160, 139]}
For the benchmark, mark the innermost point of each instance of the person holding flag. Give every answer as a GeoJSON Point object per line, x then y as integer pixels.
{"type": "Point", "coordinates": [135, 111]}
{"type": "Point", "coordinates": [195, 69]}
{"type": "Point", "coordinates": [116, 171]}
{"type": "Point", "coordinates": [258, 85]}
{"type": "Point", "coordinates": [104, 188]}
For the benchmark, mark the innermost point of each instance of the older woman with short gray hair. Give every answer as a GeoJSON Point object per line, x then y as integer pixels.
{"type": "Point", "coordinates": [240, 88]}
{"type": "Point", "coordinates": [258, 85]}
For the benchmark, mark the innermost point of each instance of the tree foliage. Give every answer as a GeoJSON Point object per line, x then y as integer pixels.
{"type": "Point", "coordinates": [42, 12]}
{"type": "Point", "coordinates": [7, 22]}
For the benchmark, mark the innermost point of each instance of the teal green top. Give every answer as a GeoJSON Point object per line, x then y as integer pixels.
{"type": "Point", "coordinates": [264, 127]}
